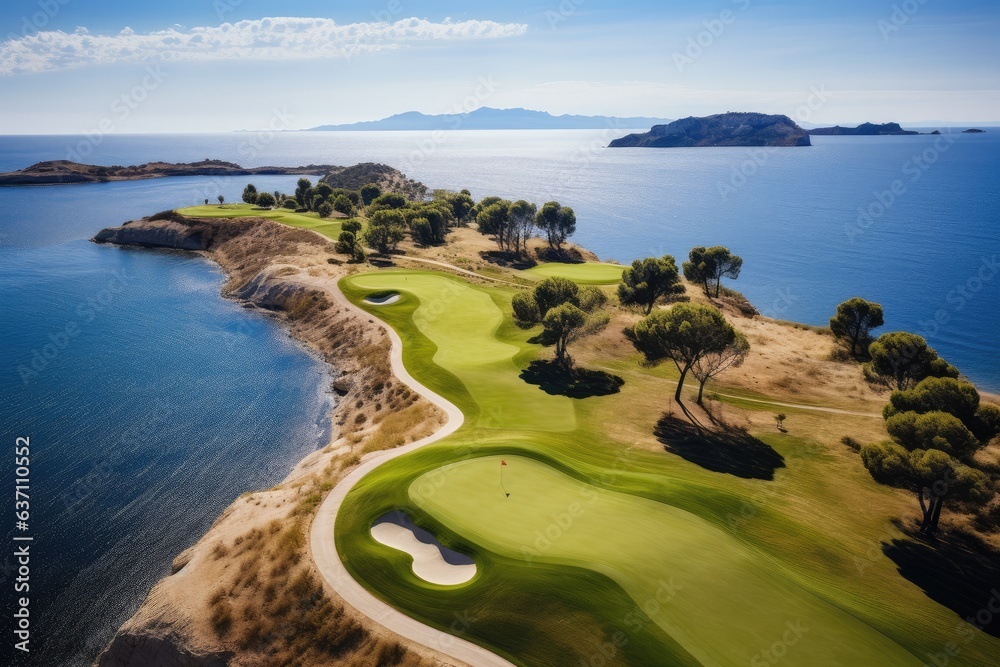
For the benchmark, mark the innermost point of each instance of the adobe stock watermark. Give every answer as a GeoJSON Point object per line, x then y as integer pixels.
{"type": "Point", "coordinates": [426, 147]}
{"type": "Point", "coordinates": [563, 13]}
{"type": "Point", "coordinates": [792, 635]}
{"type": "Point", "coordinates": [86, 312]}
{"type": "Point", "coordinates": [757, 158]}
{"type": "Point", "coordinates": [961, 295]}
{"type": "Point", "coordinates": [634, 622]}
{"type": "Point", "coordinates": [33, 24]}
{"type": "Point", "coordinates": [883, 200]}
{"type": "Point", "coordinates": [966, 631]}
{"type": "Point", "coordinates": [899, 16]}
{"type": "Point", "coordinates": [702, 41]}
{"type": "Point", "coordinates": [121, 108]}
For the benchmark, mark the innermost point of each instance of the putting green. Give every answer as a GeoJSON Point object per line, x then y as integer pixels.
{"type": "Point", "coordinates": [589, 273]}
{"type": "Point", "coordinates": [326, 226]}
{"type": "Point", "coordinates": [462, 322]}
{"type": "Point", "coordinates": [692, 579]}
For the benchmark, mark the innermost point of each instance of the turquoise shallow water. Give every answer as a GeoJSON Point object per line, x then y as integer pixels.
{"type": "Point", "coordinates": [169, 401]}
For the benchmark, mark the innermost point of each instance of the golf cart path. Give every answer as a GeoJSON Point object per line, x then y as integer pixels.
{"type": "Point", "coordinates": [321, 541]}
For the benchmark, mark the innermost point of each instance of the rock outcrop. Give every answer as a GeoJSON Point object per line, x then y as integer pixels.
{"type": "Point", "coordinates": [727, 129]}
{"type": "Point", "coordinates": [65, 172]}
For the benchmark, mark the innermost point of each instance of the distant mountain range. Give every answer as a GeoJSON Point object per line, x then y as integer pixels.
{"type": "Point", "coordinates": [486, 118]}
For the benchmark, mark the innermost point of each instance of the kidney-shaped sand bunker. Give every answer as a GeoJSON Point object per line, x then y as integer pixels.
{"type": "Point", "coordinates": [431, 561]}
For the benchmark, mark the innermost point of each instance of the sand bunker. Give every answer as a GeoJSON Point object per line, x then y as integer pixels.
{"type": "Point", "coordinates": [431, 561]}
{"type": "Point", "coordinates": [382, 298]}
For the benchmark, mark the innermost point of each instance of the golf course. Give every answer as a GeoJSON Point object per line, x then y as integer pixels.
{"type": "Point", "coordinates": [328, 227]}
{"type": "Point", "coordinates": [592, 547]}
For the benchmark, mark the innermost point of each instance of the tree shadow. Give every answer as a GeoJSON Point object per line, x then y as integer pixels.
{"type": "Point", "coordinates": [576, 383]}
{"type": "Point", "coordinates": [508, 259]}
{"type": "Point", "coordinates": [725, 449]}
{"type": "Point", "coordinates": [956, 571]}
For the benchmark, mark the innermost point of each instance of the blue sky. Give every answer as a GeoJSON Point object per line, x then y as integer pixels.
{"type": "Point", "coordinates": [67, 66]}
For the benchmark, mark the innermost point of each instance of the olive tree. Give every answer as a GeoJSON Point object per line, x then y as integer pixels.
{"type": "Point", "coordinates": [558, 222]}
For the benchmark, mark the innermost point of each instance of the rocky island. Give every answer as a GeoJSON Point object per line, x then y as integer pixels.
{"type": "Point", "coordinates": [727, 129]}
{"type": "Point", "coordinates": [865, 129]}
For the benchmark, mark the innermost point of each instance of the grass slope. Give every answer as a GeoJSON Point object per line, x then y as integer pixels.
{"type": "Point", "coordinates": [611, 552]}
{"type": "Point", "coordinates": [326, 226]}
{"type": "Point", "coordinates": [589, 273]}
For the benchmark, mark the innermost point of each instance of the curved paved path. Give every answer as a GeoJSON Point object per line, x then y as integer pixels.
{"type": "Point", "coordinates": [324, 551]}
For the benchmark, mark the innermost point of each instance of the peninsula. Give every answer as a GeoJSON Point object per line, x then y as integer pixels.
{"type": "Point", "coordinates": [727, 129]}
{"type": "Point", "coordinates": [518, 347]}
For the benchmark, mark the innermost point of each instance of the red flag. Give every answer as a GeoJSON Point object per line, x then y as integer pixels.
{"type": "Point", "coordinates": [502, 462]}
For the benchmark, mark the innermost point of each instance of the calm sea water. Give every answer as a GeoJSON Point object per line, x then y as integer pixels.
{"type": "Point", "coordinates": [151, 403]}
{"type": "Point", "coordinates": [925, 252]}
{"type": "Point", "coordinates": [137, 442]}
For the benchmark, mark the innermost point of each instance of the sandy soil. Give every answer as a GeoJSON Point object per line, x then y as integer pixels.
{"type": "Point", "coordinates": [431, 561]}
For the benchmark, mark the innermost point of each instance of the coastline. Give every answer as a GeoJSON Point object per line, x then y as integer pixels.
{"type": "Point", "coordinates": [273, 288]}
{"type": "Point", "coordinates": [166, 626]}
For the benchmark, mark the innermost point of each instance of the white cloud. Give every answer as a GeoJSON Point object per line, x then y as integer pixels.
{"type": "Point", "coordinates": [263, 39]}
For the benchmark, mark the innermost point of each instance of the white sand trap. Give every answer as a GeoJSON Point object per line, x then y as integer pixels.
{"type": "Point", "coordinates": [382, 300]}
{"type": "Point", "coordinates": [431, 561]}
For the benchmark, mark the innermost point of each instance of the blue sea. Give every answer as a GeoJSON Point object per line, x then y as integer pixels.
{"type": "Point", "coordinates": [167, 401]}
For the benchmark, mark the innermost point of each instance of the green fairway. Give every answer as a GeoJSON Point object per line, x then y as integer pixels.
{"type": "Point", "coordinates": [589, 273]}
{"type": "Point", "coordinates": [599, 538]}
{"type": "Point", "coordinates": [328, 227]}
{"type": "Point", "coordinates": [462, 321]}
{"type": "Point", "coordinates": [711, 584]}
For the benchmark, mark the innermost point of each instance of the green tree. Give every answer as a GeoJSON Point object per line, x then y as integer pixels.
{"type": "Point", "coordinates": [557, 222]}
{"type": "Point", "coordinates": [494, 221]}
{"type": "Point", "coordinates": [715, 363]}
{"type": "Point", "coordinates": [684, 334]}
{"type": "Point", "coordinates": [343, 204]}
{"type": "Point", "coordinates": [935, 394]}
{"type": "Point", "coordinates": [422, 231]}
{"type": "Point", "coordinates": [222, 200]}
{"type": "Point", "coordinates": [290, 204]}
{"type": "Point", "coordinates": [649, 281]}
{"type": "Point", "coordinates": [708, 266]}
{"type": "Point", "coordinates": [522, 225]}
{"type": "Point", "coordinates": [302, 188]}
{"type": "Point", "coordinates": [932, 474]}
{"type": "Point", "coordinates": [462, 206]}
{"type": "Point", "coordinates": [854, 322]}
{"type": "Point", "coordinates": [353, 226]}
{"type": "Point", "coordinates": [347, 244]}
{"type": "Point", "coordinates": [324, 190]}
{"type": "Point", "coordinates": [385, 231]}
{"type": "Point", "coordinates": [250, 194]}
{"type": "Point", "coordinates": [265, 200]}
{"type": "Point", "coordinates": [369, 193]}
{"type": "Point", "coordinates": [388, 201]}
{"type": "Point", "coordinates": [932, 430]}
{"type": "Point", "coordinates": [901, 360]}
{"type": "Point", "coordinates": [566, 323]}
{"type": "Point", "coordinates": [324, 209]}
{"type": "Point", "coordinates": [526, 312]}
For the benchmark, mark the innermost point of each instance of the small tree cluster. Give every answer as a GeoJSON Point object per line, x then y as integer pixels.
{"type": "Point", "coordinates": [708, 266]}
{"type": "Point", "coordinates": [566, 312]}
{"type": "Point", "coordinates": [386, 230]}
{"type": "Point", "coordinates": [348, 242]}
{"type": "Point", "coordinates": [648, 282]}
